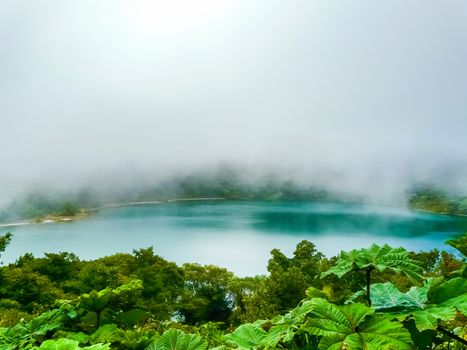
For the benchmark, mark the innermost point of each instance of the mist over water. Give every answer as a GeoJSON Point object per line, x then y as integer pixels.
{"type": "Point", "coordinates": [362, 98]}
{"type": "Point", "coordinates": [121, 99]}
{"type": "Point", "coordinates": [237, 235]}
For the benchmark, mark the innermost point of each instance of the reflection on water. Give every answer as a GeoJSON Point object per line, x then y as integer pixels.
{"type": "Point", "coordinates": [236, 235]}
{"type": "Point", "coordinates": [374, 224]}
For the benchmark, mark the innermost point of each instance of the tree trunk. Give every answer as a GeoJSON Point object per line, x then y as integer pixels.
{"type": "Point", "coordinates": [98, 318]}
{"type": "Point", "coordinates": [368, 283]}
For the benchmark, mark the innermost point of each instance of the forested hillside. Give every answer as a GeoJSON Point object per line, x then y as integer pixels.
{"type": "Point", "coordinates": [437, 201]}
{"type": "Point", "coordinates": [41, 204]}
{"type": "Point", "coordinates": [230, 184]}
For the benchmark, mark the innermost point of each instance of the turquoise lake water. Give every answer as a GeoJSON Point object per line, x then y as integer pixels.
{"type": "Point", "coordinates": [235, 235]}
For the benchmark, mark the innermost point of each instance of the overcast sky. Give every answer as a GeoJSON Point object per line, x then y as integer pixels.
{"type": "Point", "coordinates": [363, 90]}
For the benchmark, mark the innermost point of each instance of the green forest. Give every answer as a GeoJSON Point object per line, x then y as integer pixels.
{"type": "Point", "coordinates": [436, 201]}
{"type": "Point", "coordinates": [371, 298]}
{"type": "Point", "coordinates": [233, 175]}
{"type": "Point", "coordinates": [39, 204]}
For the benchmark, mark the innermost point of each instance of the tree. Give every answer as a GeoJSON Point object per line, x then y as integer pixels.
{"type": "Point", "coordinates": [58, 267]}
{"type": "Point", "coordinates": [241, 290]}
{"type": "Point", "coordinates": [5, 240]}
{"type": "Point", "coordinates": [288, 280]}
{"type": "Point", "coordinates": [68, 209]}
{"type": "Point", "coordinates": [206, 296]}
{"type": "Point", "coordinates": [109, 271]}
{"type": "Point", "coordinates": [33, 290]}
{"type": "Point", "coordinates": [163, 281]}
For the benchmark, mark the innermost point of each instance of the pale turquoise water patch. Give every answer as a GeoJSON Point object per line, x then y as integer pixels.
{"type": "Point", "coordinates": [236, 235]}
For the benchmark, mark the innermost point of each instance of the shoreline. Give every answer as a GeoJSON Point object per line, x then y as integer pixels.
{"type": "Point", "coordinates": [13, 224]}
{"type": "Point", "coordinates": [130, 204]}
{"type": "Point", "coordinates": [51, 219]}
{"type": "Point", "coordinates": [84, 213]}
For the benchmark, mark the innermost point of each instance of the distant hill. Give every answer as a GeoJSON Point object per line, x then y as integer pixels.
{"type": "Point", "coordinates": [226, 184]}
{"type": "Point", "coordinates": [437, 201]}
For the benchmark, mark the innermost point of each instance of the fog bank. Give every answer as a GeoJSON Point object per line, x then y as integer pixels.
{"type": "Point", "coordinates": [362, 96]}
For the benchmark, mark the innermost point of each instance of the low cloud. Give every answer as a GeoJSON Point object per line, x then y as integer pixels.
{"type": "Point", "coordinates": [358, 97]}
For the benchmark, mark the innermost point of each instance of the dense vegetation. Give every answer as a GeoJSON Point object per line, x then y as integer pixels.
{"type": "Point", "coordinates": [225, 183]}
{"type": "Point", "coordinates": [37, 206]}
{"type": "Point", "coordinates": [375, 298]}
{"type": "Point", "coordinates": [437, 201]}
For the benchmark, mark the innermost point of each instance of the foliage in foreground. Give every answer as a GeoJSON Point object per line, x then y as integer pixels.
{"type": "Point", "coordinates": [392, 315]}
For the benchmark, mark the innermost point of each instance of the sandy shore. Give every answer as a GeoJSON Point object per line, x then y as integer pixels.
{"type": "Point", "coordinates": [13, 224]}
{"type": "Point", "coordinates": [129, 204]}
{"type": "Point", "coordinates": [195, 199]}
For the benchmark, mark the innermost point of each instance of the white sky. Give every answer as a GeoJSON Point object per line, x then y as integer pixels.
{"type": "Point", "coordinates": [370, 90]}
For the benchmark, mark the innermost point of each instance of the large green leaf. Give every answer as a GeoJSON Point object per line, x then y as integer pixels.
{"type": "Point", "coordinates": [437, 300]}
{"type": "Point", "coordinates": [313, 292]}
{"type": "Point", "coordinates": [98, 300]}
{"type": "Point", "coordinates": [379, 332]}
{"type": "Point", "coordinates": [441, 301]}
{"type": "Point", "coordinates": [431, 315]}
{"type": "Point", "coordinates": [23, 335]}
{"type": "Point", "coordinates": [133, 317]}
{"type": "Point", "coordinates": [348, 261]}
{"type": "Point", "coordinates": [444, 290]}
{"type": "Point", "coordinates": [134, 339]}
{"type": "Point", "coordinates": [67, 344]}
{"type": "Point", "coordinates": [106, 333]}
{"type": "Point", "coordinates": [386, 297]}
{"type": "Point", "coordinates": [282, 332]}
{"type": "Point", "coordinates": [286, 327]}
{"type": "Point", "coordinates": [247, 336]}
{"type": "Point", "coordinates": [137, 339]}
{"type": "Point", "coordinates": [354, 326]}
{"type": "Point", "coordinates": [327, 319]}
{"type": "Point", "coordinates": [175, 339]}
{"type": "Point", "coordinates": [460, 243]}
{"type": "Point", "coordinates": [377, 258]}
{"type": "Point", "coordinates": [298, 314]}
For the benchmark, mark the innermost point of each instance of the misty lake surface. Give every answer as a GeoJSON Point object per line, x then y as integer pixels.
{"type": "Point", "coordinates": [237, 235]}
